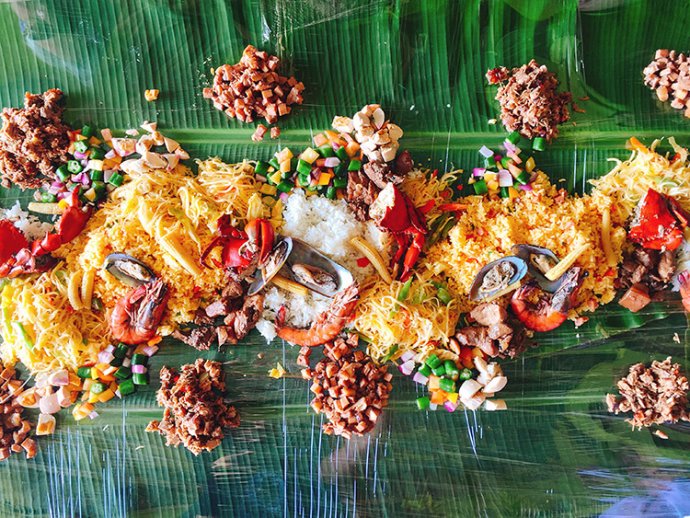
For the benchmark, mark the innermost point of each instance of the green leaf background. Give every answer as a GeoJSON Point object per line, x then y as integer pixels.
{"type": "Point", "coordinates": [556, 451]}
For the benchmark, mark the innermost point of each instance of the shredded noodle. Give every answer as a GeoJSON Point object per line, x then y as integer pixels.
{"type": "Point", "coordinates": [61, 336]}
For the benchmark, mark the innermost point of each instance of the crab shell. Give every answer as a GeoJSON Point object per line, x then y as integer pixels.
{"type": "Point", "coordinates": [389, 209]}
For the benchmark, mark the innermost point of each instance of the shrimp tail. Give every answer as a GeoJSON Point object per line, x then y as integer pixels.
{"type": "Point", "coordinates": [326, 326]}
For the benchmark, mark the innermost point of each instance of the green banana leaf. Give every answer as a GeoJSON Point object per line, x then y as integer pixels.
{"type": "Point", "coordinates": [556, 451]}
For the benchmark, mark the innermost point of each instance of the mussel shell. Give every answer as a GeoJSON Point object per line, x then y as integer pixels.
{"type": "Point", "coordinates": [128, 270]}
{"type": "Point", "coordinates": [520, 266]}
{"type": "Point", "coordinates": [299, 252]}
{"type": "Point", "coordinates": [275, 261]}
{"type": "Point", "coordinates": [525, 251]}
{"type": "Point", "coordinates": [302, 253]}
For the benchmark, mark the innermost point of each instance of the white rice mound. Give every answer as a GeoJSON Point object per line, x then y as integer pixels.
{"type": "Point", "coordinates": [328, 226]}
{"type": "Point", "coordinates": [28, 224]}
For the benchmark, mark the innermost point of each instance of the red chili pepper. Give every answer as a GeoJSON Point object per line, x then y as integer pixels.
{"type": "Point", "coordinates": [675, 157]}
{"type": "Point", "coordinates": [610, 272]}
{"type": "Point", "coordinates": [446, 193]}
{"type": "Point", "coordinates": [363, 262]}
{"type": "Point", "coordinates": [453, 207]}
{"type": "Point", "coordinates": [434, 173]}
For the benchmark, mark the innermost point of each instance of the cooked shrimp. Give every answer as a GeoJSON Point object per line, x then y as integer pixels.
{"type": "Point", "coordinates": [327, 325]}
{"type": "Point", "coordinates": [546, 313]}
{"type": "Point", "coordinates": [684, 281]}
{"type": "Point", "coordinates": [136, 316]}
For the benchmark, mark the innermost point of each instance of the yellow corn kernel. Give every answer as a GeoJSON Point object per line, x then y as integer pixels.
{"type": "Point", "coordinates": [309, 155]}
{"type": "Point", "coordinates": [268, 189]}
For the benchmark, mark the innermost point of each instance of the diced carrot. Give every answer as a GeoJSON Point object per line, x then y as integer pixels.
{"type": "Point", "coordinates": [439, 397]}
{"type": "Point", "coordinates": [106, 395]}
{"type": "Point", "coordinates": [636, 145]}
{"type": "Point", "coordinates": [325, 178]}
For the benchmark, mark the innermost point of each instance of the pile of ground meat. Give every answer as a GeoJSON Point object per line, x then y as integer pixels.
{"type": "Point", "coordinates": [655, 394]}
{"type": "Point", "coordinates": [530, 103]}
{"type": "Point", "coordinates": [349, 388]}
{"type": "Point", "coordinates": [253, 88]}
{"type": "Point", "coordinates": [33, 140]}
{"type": "Point", "coordinates": [14, 428]}
{"type": "Point", "coordinates": [195, 411]}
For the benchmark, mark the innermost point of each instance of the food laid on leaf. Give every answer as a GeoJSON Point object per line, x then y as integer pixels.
{"type": "Point", "coordinates": [344, 247]}
{"type": "Point", "coordinates": [655, 395]}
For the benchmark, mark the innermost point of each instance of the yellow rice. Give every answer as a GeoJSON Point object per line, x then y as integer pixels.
{"type": "Point", "coordinates": [545, 217]}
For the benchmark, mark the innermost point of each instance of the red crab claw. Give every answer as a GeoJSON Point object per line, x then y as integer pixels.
{"type": "Point", "coordinates": [225, 228]}
{"type": "Point", "coordinates": [12, 240]}
{"type": "Point", "coordinates": [417, 219]}
{"type": "Point", "coordinates": [260, 232]}
{"type": "Point", "coordinates": [656, 226]}
{"type": "Point", "coordinates": [232, 255]}
{"type": "Point", "coordinates": [682, 216]}
{"type": "Point", "coordinates": [390, 209]}
{"type": "Point", "coordinates": [412, 255]}
{"type": "Point", "coordinates": [71, 223]}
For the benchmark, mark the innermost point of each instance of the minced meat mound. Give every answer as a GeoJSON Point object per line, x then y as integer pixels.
{"type": "Point", "coordinates": [195, 412]}
{"type": "Point", "coordinates": [529, 101]}
{"type": "Point", "coordinates": [33, 140]}
{"type": "Point", "coordinates": [655, 394]}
